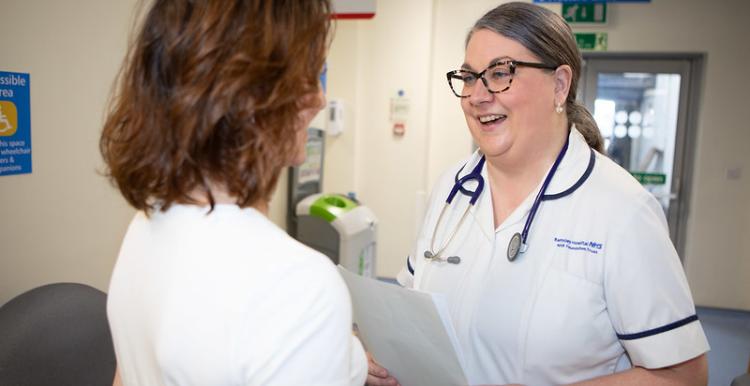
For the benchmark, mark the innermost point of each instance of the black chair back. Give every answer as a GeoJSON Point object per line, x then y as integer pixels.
{"type": "Point", "coordinates": [56, 334]}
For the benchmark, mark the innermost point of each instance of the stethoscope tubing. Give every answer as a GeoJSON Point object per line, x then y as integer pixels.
{"type": "Point", "coordinates": [538, 198]}
{"type": "Point", "coordinates": [518, 243]}
{"type": "Point", "coordinates": [475, 174]}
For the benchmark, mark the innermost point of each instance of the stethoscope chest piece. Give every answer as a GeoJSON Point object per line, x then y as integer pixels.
{"type": "Point", "coordinates": [514, 246]}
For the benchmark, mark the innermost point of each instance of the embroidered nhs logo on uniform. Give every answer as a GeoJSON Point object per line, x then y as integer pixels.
{"type": "Point", "coordinates": [579, 245]}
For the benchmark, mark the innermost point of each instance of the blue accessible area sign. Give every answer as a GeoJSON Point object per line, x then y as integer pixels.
{"type": "Point", "coordinates": [15, 124]}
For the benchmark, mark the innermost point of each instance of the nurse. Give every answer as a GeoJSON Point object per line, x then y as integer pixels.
{"type": "Point", "coordinates": [213, 103]}
{"type": "Point", "coordinates": [562, 271]}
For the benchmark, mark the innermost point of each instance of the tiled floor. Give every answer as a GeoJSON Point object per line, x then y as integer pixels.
{"type": "Point", "coordinates": [728, 334]}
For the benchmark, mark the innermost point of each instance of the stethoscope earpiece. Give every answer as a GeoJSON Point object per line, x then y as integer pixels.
{"type": "Point", "coordinates": [453, 259]}
{"type": "Point", "coordinates": [450, 260]}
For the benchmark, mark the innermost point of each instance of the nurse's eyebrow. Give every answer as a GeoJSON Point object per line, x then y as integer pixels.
{"type": "Point", "coordinates": [493, 62]}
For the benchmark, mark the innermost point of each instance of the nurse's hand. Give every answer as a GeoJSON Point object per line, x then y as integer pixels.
{"type": "Point", "coordinates": [377, 375]}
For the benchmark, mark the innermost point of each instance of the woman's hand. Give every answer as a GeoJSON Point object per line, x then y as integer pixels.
{"type": "Point", "coordinates": [117, 380]}
{"type": "Point", "coordinates": [377, 375]}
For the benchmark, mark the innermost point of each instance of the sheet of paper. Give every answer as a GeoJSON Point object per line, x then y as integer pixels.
{"type": "Point", "coordinates": [408, 332]}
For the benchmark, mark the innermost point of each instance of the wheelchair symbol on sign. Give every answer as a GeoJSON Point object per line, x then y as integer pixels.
{"type": "Point", "coordinates": [4, 122]}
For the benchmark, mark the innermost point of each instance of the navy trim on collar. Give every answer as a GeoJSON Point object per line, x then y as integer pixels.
{"type": "Point", "coordinates": [584, 177]}
{"type": "Point", "coordinates": [408, 266]}
{"type": "Point", "coordinates": [658, 330]}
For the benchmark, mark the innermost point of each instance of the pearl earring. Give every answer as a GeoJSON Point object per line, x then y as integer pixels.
{"type": "Point", "coordinates": [558, 108]}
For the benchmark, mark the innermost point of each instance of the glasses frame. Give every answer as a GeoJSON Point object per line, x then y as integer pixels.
{"type": "Point", "coordinates": [512, 64]}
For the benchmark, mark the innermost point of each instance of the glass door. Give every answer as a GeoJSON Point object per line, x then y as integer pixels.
{"type": "Point", "coordinates": [642, 106]}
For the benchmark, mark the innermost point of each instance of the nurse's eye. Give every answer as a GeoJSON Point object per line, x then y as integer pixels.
{"type": "Point", "coordinates": [498, 74]}
{"type": "Point", "coordinates": [468, 78]}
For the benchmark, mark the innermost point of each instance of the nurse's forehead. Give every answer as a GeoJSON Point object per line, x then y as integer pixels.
{"type": "Point", "coordinates": [486, 47]}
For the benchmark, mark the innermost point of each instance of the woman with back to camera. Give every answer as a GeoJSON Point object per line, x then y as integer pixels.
{"type": "Point", "coordinates": [213, 102]}
{"type": "Point", "coordinates": [562, 270]}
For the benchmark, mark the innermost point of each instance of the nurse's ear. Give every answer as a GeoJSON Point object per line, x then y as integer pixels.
{"type": "Point", "coordinates": [563, 76]}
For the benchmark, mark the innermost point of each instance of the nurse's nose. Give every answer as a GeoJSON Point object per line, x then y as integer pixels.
{"type": "Point", "coordinates": [480, 93]}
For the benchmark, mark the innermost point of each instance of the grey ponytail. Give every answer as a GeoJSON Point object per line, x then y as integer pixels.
{"type": "Point", "coordinates": [580, 116]}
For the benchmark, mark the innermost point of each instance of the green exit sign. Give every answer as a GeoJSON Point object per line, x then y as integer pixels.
{"type": "Point", "coordinates": [650, 178]}
{"type": "Point", "coordinates": [591, 41]}
{"type": "Point", "coordinates": [595, 13]}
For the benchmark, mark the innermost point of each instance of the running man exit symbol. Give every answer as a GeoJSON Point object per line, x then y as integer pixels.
{"type": "Point", "coordinates": [595, 13]}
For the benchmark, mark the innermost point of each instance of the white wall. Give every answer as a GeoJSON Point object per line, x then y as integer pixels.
{"type": "Point", "coordinates": [370, 61]}
{"type": "Point", "coordinates": [342, 152]}
{"type": "Point", "coordinates": [63, 222]}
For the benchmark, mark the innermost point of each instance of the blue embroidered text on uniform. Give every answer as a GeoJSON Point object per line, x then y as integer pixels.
{"type": "Point", "coordinates": [588, 246]}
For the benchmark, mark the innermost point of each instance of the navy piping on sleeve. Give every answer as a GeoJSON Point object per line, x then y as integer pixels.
{"type": "Point", "coordinates": [658, 330]}
{"type": "Point", "coordinates": [584, 177]}
{"type": "Point", "coordinates": [408, 266]}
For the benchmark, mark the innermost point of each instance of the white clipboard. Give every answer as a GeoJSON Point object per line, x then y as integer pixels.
{"type": "Point", "coordinates": [408, 332]}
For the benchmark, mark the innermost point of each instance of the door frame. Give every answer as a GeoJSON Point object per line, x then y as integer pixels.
{"type": "Point", "coordinates": [692, 65]}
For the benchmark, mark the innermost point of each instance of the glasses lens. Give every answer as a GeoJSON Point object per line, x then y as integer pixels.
{"type": "Point", "coordinates": [498, 77]}
{"type": "Point", "coordinates": [462, 82]}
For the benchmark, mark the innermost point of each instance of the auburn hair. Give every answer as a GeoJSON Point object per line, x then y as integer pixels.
{"type": "Point", "coordinates": [209, 95]}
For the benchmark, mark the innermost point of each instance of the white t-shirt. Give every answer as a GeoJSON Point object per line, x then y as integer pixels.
{"type": "Point", "coordinates": [228, 298]}
{"type": "Point", "coordinates": [600, 286]}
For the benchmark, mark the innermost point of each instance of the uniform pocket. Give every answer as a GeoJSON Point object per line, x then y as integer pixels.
{"type": "Point", "coordinates": [582, 265]}
{"type": "Point", "coordinates": [570, 333]}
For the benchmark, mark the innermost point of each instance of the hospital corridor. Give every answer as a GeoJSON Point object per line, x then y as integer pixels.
{"type": "Point", "coordinates": [380, 192]}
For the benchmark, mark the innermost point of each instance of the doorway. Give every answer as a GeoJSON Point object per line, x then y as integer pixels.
{"type": "Point", "coordinates": [646, 108]}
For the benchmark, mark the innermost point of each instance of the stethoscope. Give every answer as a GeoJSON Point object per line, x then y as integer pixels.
{"type": "Point", "coordinates": [517, 242]}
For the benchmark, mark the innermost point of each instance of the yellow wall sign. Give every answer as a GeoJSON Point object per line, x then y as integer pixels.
{"type": "Point", "coordinates": [8, 118]}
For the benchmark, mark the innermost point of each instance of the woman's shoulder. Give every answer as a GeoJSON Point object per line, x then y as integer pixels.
{"type": "Point", "coordinates": [264, 251]}
{"type": "Point", "coordinates": [308, 273]}
{"type": "Point", "coordinates": [242, 236]}
{"type": "Point", "coordinates": [611, 185]}
{"type": "Point", "coordinates": [613, 179]}
{"type": "Point", "coordinates": [288, 256]}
